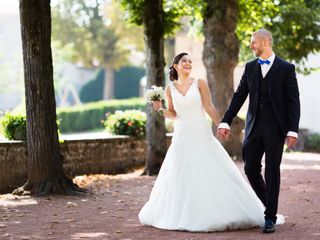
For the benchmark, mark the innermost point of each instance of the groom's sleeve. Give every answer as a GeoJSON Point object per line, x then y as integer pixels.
{"type": "Point", "coordinates": [292, 100]}
{"type": "Point", "coordinates": [238, 99]}
{"type": "Point", "coordinates": [224, 125]}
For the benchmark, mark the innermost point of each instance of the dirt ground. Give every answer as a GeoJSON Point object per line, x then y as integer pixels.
{"type": "Point", "coordinates": [110, 212]}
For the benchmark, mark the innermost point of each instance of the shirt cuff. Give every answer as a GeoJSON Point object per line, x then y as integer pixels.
{"type": "Point", "coordinates": [224, 125]}
{"type": "Point", "coordinates": [292, 134]}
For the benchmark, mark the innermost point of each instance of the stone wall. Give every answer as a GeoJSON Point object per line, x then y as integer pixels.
{"type": "Point", "coordinates": [109, 156]}
{"type": "Point", "coordinates": [13, 165]}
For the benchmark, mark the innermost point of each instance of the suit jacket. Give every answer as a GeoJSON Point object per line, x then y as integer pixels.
{"type": "Point", "coordinates": [283, 92]}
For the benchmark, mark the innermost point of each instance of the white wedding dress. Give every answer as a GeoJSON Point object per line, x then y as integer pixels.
{"type": "Point", "coordinates": [199, 188]}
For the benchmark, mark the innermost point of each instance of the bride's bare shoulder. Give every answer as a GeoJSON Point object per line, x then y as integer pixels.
{"type": "Point", "coordinates": [202, 81]}
{"type": "Point", "coordinates": [169, 85]}
{"type": "Point", "coordinates": [167, 89]}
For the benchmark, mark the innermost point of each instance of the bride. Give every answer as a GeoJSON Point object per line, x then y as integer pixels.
{"type": "Point", "coordinates": [199, 188]}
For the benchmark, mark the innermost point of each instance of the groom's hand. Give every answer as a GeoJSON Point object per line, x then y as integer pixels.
{"type": "Point", "coordinates": [291, 141]}
{"type": "Point", "coordinates": [223, 133]}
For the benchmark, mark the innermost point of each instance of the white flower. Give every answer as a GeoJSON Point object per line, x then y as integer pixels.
{"type": "Point", "coordinates": [155, 94]}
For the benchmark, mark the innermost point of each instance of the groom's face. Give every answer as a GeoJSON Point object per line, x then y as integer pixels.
{"type": "Point", "coordinates": [257, 45]}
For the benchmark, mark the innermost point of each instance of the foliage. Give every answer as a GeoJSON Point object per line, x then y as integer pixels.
{"type": "Point", "coordinates": [14, 127]}
{"type": "Point", "coordinates": [295, 26]}
{"type": "Point", "coordinates": [130, 35]}
{"type": "Point", "coordinates": [83, 24]}
{"type": "Point", "coordinates": [129, 122]}
{"type": "Point", "coordinates": [252, 16]}
{"type": "Point", "coordinates": [93, 90]}
{"type": "Point", "coordinates": [173, 10]}
{"type": "Point", "coordinates": [126, 84]}
{"type": "Point", "coordinates": [312, 143]}
{"type": "Point", "coordinates": [90, 116]}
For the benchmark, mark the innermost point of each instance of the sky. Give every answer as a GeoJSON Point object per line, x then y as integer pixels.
{"type": "Point", "coordinates": [9, 6]}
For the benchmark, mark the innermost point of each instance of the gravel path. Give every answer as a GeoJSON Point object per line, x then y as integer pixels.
{"type": "Point", "coordinates": [110, 212]}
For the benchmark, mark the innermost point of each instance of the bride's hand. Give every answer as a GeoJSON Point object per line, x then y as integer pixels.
{"type": "Point", "coordinates": [157, 105]}
{"type": "Point", "coordinates": [223, 133]}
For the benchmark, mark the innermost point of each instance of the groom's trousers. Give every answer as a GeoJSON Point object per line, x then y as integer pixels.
{"type": "Point", "coordinates": [266, 138]}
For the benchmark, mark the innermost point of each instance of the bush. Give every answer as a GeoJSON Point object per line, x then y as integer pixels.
{"type": "Point", "coordinates": [14, 127]}
{"type": "Point", "coordinates": [93, 90]}
{"type": "Point", "coordinates": [312, 143]}
{"type": "Point", "coordinates": [91, 116]}
{"type": "Point", "coordinates": [129, 122]}
{"type": "Point", "coordinates": [126, 84]}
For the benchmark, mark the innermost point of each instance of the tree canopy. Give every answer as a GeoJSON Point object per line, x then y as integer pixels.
{"type": "Point", "coordinates": [295, 26]}
{"type": "Point", "coordinates": [84, 26]}
{"type": "Point", "coordinates": [172, 12]}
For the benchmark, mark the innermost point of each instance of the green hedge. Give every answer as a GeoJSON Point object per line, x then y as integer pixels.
{"type": "Point", "coordinates": [93, 90]}
{"type": "Point", "coordinates": [92, 115]}
{"type": "Point", "coordinates": [312, 143]}
{"type": "Point", "coordinates": [126, 84]}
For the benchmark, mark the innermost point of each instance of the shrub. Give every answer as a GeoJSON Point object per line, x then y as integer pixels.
{"type": "Point", "coordinates": [91, 115]}
{"type": "Point", "coordinates": [126, 84]}
{"type": "Point", "coordinates": [14, 127]}
{"type": "Point", "coordinates": [93, 90]}
{"type": "Point", "coordinates": [129, 122]}
{"type": "Point", "coordinates": [312, 143]}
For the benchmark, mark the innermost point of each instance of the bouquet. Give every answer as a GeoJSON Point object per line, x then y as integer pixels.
{"type": "Point", "coordinates": [155, 94]}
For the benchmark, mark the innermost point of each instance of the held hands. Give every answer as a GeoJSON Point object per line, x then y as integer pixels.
{"type": "Point", "coordinates": [291, 141]}
{"type": "Point", "coordinates": [223, 133]}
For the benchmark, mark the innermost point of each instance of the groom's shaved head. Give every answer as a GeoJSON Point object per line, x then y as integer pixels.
{"type": "Point", "coordinates": [264, 34]}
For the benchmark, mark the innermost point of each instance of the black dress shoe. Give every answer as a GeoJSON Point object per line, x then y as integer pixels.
{"type": "Point", "coordinates": [268, 227]}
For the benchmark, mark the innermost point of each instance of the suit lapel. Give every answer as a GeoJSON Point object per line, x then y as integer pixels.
{"type": "Point", "coordinates": [270, 76]}
{"type": "Point", "coordinates": [257, 75]}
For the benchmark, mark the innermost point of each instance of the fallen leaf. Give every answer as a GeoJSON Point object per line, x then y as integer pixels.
{"type": "Point", "coordinates": [71, 204]}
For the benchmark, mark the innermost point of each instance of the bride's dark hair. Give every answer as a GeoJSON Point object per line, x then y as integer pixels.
{"type": "Point", "coordinates": [173, 74]}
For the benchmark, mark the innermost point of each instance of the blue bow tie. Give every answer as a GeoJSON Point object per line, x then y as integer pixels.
{"type": "Point", "coordinates": [263, 61]}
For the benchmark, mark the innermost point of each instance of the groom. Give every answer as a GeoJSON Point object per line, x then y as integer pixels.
{"type": "Point", "coordinates": [272, 118]}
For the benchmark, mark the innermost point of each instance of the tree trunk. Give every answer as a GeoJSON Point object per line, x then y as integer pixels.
{"type": "Point", "coordinates": [108, 85]}
{"type": "Point", "coordinates": [154, 41]}
{"type": "Point", "coordinates": [220, 57]}
{"type": "Point", "coordinates": [169, 52]}
{"type": "Point", "coordinates": [45, 168]}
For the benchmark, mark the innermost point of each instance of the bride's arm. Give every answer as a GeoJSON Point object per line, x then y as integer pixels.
{"type": "Point", "coordinates": [169, 112]}
{"type": "Point", "coordinates": [207, 103]}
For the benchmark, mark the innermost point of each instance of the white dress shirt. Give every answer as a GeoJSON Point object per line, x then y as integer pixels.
{"type": "Point", "coordinates": [264, 70]}
{"type": "Point", "coordinates": [266, 67]}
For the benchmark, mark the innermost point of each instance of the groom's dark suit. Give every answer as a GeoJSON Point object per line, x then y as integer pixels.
{"type": "Point", "coordinates": [274, 110]}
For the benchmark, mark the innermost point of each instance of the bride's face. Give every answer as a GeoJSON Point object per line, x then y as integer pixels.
{"type": "Point", "coordinates": [185, 65]}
